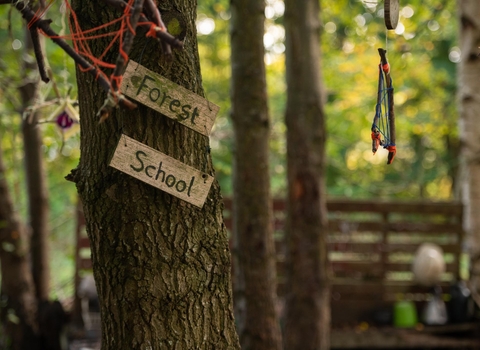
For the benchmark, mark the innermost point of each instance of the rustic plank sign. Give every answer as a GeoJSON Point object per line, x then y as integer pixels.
{"type": "Point", "coordinates": [168, 98]}
{"type": "Point", "coordinates": [161, 171]}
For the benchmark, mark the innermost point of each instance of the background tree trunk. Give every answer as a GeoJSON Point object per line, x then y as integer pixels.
{"type": "Point", "coordinates": [161, 265]}
{"type": "Point", "coordinates": [38, 206]}
{"type": "Point", "coordinates": [307, 317]}
{"type": "Point", "coordinates": [19, 314]}
{"type": "Point", "coordinates": [469, 97]}
{"type": "Point", "coordinates": [254, 268]}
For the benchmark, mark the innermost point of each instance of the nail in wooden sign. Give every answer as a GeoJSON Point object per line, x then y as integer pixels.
{"type": "Point", "coordinates": [161, 171]}
{"type": "Point", "coordinates": [168, 98]}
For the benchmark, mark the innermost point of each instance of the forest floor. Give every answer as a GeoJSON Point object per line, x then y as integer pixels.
{"type": "Point", "coordinates": [458, 337]}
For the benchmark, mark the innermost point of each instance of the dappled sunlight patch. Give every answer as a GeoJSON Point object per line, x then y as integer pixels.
{"type": "Point", "coordinates": [417, 129]}
{"type": "Point", "coordinates": [407, 154]}
{"type": "Point", "coordinates": [348, 47]}
{"type": "Point", "coordinates": [352, 158]}
{"type": "Point", "coordinates": [205, 25]}
{"type": "Point", "coordinates": [375, 159]}
{"type": "Point", "coordinates": [274, 9]}
{"type": "Point", "coordinates": [400, 98]}
{"type": "Point", "coordinates": [330, 27]}
{"type": "Point", "coordinates": [400, 29]}
{"type": "Point", "coordinates": [440, 189]}
{"type": "Point", "coordinates": [407, 12]}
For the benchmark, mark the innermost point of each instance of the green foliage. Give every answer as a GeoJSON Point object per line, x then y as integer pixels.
{"type": "Point", "coordinates": [59, 158]}
{"type": "Point", "coordinates": [424, 81]}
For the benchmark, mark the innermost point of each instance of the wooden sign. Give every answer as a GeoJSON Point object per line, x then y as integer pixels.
{"type": "Point", "coordinates": [168, 98]}
{"type": "Point", "coordinates": [161, 171]}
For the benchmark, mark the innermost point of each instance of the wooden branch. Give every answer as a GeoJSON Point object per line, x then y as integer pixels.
{"type": "Point", "coordinates": [160, 33]}
{"type": "Point", "coordinates": [120, 65]}
{"type": "Point", "coordinates": [153, 13]}
{"type": "Point", "coordinates": [169, 39]}
{"type": "Point", "coordinates": [37, 49]}
{"type": "Point", "coordinates": [28, 14]}
{"type": "Point", "coordinates": [127, 43]}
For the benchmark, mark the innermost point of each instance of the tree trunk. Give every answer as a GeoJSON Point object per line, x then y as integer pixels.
{"type": "Point", "coordinates": [161, 265]}
{"type": "Point", "coordinates": [469, 87]}
{"type": "Point", "coordinates": [38, 206]}
{"type": "Point", "coordinates": [254, 268]}
{"type": "Point", "coordinates": [307, 317]}
{"type": "Point", "coordinates": [19, 314]}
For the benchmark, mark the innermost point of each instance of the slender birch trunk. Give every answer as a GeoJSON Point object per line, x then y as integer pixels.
{"type": "Point", "coordinates": [469, 99]}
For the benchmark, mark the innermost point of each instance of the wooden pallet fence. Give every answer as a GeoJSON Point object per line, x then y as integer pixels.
{"type": "Point", "coordinates": [371, 245]}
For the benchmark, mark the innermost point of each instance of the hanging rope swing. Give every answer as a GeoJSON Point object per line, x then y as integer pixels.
{"type": "Point", "coordinates": [383, 126]}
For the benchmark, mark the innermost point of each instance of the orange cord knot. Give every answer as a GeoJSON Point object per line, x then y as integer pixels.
{"type": "Point", "coordinates": [375, 141]}
{"type": "Point", "coordinates": [386, 68]}
{"type": "Point", "coordinates": [392, 150]}
{"type": "Point", "coordinates": [152, 32]}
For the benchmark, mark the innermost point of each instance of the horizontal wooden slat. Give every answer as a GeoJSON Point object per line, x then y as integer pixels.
{"type": "Point", "coordinates": [278, 224]}
{"type": "Point", "coordinates": [343, 205]}
{"type": "Point", "coordinates": [367, 266]}
{"type": "Point", "coordinates": [443, 208]}
{"type": "Point", "coordinates": [367, 269]}
{"type": "Point", "coordinates": [384, 248]}
{"type": "Point", "coordinates": [375, 291]}
{"type": "Point", "coordinates": [349, 287]}
{"type": "Point", "coordinates": [85, 264]}
{"type": "Point", "coordinates": [83, 242]}
{"type": "Point", "coordinates": [376, 226]}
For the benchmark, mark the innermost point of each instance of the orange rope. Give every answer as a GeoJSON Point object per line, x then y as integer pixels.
{"type": "Point", "coordinates": [80, 38]}
{"type": "Point", "coordinates": [376, 141]}
{"type": "Point", "coordinates": [392, 150]}
{"type": "Point", "coordinates": [39, 14]}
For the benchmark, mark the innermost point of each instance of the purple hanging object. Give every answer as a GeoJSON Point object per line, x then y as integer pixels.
{"type": "Point", "coordinates": [64, 121]}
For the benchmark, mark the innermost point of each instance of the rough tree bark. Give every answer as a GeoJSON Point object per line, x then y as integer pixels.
{"type": "Point", "coordinates": [19, 313]}
{"type": "Point", "coordinates": [469, 97]}
{"type": "Point", "coordinates": [307, 317]}
{"type": "Point", "coordinates": [38, 206]}
{"type": "Point", "coordinates": [254, 250]}
{"type": "Point", "coordinates": [161, 265]}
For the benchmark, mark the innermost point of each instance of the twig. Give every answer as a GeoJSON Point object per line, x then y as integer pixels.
{"type": "Point", "coordinates": [168, 38]}
{"type": "Point", "coordinates": [127, 42]}
{"type": "Point", "coordinates": [154, 14]}
{"type": "Point", "coordinates": [37, 49]}
{"type": "Point", "coordinates": [54, 84]}
{"type": "Point", "coordinates": [44, 25]}
{"type": "Point", "coordinates": [122, 57]}
{"type": "Point", "coordinates": [160, 33]}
